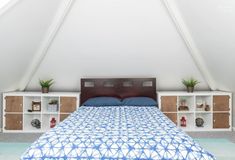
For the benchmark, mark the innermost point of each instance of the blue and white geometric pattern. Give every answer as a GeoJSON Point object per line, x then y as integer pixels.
{"type": "Point", "coordinates": [118, 132]}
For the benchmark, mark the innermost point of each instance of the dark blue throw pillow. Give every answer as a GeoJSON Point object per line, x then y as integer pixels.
{"type": "Point", "coordinates": [139, 101]}
{"type": "Point", "coordinates": [102, 101]}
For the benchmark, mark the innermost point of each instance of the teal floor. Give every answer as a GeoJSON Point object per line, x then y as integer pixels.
{"type": "Point", "coordinates": [223, 149]}
{"type": "Point", "coordinates": [12, 151]}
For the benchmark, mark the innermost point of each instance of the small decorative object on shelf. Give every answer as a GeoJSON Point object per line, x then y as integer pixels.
{"type": "Point", "coordinates": [183, 122]}
{"type": "Point", "coordinates": [199, 122]}
{"type": "Point", "coordinates": [203, 106]}
{"type": "Point", "coordinates": [199, 104]}
{"type": "Point", "coordinates": [199, 107]}
{"type": "Point", "coordinates": [52, 122]}
{"type": "Point", "coordinates": [207, 108]}
{"type": "Point", "coordinates": [36, 123]}
{"type": "Point", "coordinates": [45, 84]}
{"type": "Point", "coordinates": [190, 84]}
{"type": "Point", "coordinates": [36, 106]}
{"type": "Point", "coordinates": [52, 106]}
{"type": "Point", "coordinates": [183, 106]}
{"type": "Point", "coordinates": [183, 102]}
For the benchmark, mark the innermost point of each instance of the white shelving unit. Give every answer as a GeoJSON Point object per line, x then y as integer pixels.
{"type": "Point", "coordinates": [18, 114]}
{"type": "Point", "coordinates": [214, 108]}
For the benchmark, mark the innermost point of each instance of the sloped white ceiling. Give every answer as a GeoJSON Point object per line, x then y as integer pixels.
{"type": "Point", "coordinates": [3, 3]}
{"type": "Point", "coordinates": [117, 38]}
{"type": "Point", "coordinates": [212, 24]}
{"type": "Point", "coordinates": [21, 31]}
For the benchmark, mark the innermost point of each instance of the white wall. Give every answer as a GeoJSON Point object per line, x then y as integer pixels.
{"type": "Point", "coordinates": [1, 111]}
{"type": "Point", "coordinates": [21, 30]}
{"type": "Point", "coordinates": [3, 3]}
{"type": "Point", "coordinates": [117, 38]}
{"type": "Point", "coordinates": [212, 24]}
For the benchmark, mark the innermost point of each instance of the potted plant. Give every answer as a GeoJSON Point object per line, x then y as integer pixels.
{"type": "Point", "coordinates": [190, 84]}
{"type": "Point", "coordinates": [45, 84]}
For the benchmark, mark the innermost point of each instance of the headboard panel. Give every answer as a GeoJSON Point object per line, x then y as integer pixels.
{"type": "Point", "coordinates": [117, 87]}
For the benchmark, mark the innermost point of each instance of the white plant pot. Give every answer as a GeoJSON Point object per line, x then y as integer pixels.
{"type": "Point", "coordinates": [52, 107]}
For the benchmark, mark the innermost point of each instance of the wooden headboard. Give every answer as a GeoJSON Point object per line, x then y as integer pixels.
{"type": "Point", "coordinates": [117, 87]}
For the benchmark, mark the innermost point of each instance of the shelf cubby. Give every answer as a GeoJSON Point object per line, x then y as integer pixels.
{"type": "Point", "coordinates": [46, 118]}
{"type": "Point", "coordinates": [202, 102]}
{"type": "Point", "coordinates": [207, 119]}
{"type": "Point", "coordinates": [47, 108]}
{"type": "Point", "coordinates": [28, 103]}
{"type": "Point", "coordinates": [187, 101]}
{"type": "Point", "coordinates": [27, 123]}
{"type": "Point", "coordinates": [189, 120]}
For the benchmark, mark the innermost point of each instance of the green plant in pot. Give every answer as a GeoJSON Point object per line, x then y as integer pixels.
{"type": "Point", "coordinates": [45, 84]}
{"type": "Point", "coordinates": [190, 84]}
{"type": "Point", "coordinates": [53, 101]}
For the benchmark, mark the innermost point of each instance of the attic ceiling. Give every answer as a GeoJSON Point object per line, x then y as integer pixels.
{"type": "Point", "coordinates": [22, 28]}
{"type": "Point", "coordinates": [212, 24]}
{"type": "Point", "coordinates": [3, 3]}
{"type": "Point", "coordinates": [106, 39]}
{"type": "Point", "coordinates": [116, 38]}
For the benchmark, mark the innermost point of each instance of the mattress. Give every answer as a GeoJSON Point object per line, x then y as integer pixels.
{"type": "Point", "coordinates": [116, 132]}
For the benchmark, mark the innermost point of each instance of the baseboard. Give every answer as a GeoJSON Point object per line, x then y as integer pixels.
{"type": "Point", "coordinates": [233, 128]}
{"type": "Point", "coordinates": [0, 129]}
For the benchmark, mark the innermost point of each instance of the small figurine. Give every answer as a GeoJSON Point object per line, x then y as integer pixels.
{"type": "Point", "coordinates": [36, 123]}
{"type": "Point", "coordinates": [183, 105]}
{"type": "Point", "coordinates": [183, 122]}
{"type": "Point", "coordinates": [183, 108]}
{"type": "Point", "coordinates": [207, 108]}
{"type": "Point", "coordinates": [199, 122]}
{"type": "Point", "coordinates": [52, 122]}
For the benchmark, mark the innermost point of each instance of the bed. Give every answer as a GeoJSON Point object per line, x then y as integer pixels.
{"type": "Point", "coordinates": [116, 132]}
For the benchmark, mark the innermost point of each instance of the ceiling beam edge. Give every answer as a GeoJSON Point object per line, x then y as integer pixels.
{"type": "Point", "coordinates": [182, 29]}
{"type": "Point", "coordinates": [46, 43]}
{"type": "Point", "coordinates": [8, 6]}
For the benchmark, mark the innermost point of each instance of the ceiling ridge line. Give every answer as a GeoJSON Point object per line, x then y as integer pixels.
{"type": "Point", "coordinates": [8, 6]}
{"type": "Point", "coordinates": [185, 34]}
{"type": "Point", "coordinates": [46, 43]}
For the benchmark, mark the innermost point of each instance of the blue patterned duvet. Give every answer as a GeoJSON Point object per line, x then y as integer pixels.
{"type": "Point", "coordinates": [121, 132]}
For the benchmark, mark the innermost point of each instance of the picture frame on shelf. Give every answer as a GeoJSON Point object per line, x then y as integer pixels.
{"type": "Point", "coordinates": [36, 106]}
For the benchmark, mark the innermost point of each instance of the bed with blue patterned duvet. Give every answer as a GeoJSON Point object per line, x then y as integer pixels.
{"type": "Point", "coordinates": [116, 132]}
